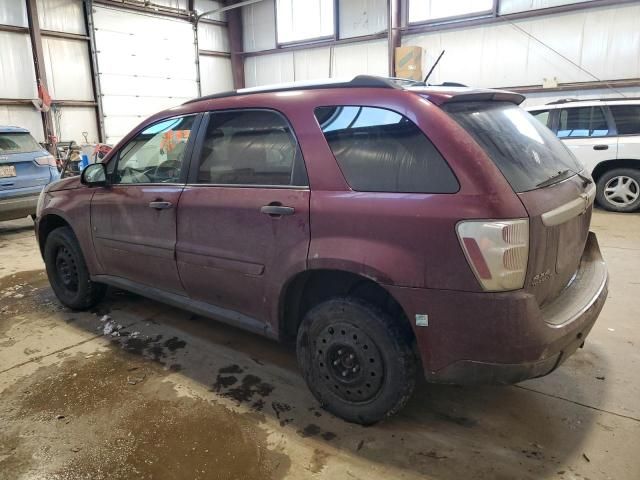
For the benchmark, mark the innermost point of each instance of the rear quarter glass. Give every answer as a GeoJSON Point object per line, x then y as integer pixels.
{"type": "Point", "coordinates": [380, 150]}
{"type": "Point", "coordinates": [526, 152]}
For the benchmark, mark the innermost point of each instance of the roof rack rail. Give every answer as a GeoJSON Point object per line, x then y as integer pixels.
{"type": "Point", "coordinates": [569, 100]}
{"type": "Point", "coordinates": [359, 81]}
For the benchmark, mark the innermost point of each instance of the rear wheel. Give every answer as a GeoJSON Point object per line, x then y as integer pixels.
{"type": "Point", "coordinates": [619, 190]}
{"type": "Point", "coordinates": [68, 273]}
{"type": "Point", "coordinates": [356, 359]}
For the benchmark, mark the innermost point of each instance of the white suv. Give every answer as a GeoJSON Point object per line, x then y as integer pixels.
{"type": "Point", "coordinates": [605, 136]}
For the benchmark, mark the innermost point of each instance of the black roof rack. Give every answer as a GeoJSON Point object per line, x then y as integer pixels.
{"type": "Point", "coordinates": [359, 81]}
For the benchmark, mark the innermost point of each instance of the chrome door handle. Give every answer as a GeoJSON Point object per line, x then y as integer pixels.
{"type": "Point", "coordinates": [277, 210]}
{"type": "Point", "coordinates": [160, 205]}
{"type": "Point", "coordinates": [601, 147]}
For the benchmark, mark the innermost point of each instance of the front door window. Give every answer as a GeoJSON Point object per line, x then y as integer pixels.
{"type": "Point", "coordinates": [156, 154]}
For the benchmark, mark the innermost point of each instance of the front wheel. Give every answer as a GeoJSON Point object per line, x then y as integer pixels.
{"type": "Point", "coordinates": [619, 190]}
{"type": "Point", "coordinates": [68, 273]}
{"type": "Point", "coordinates": [357, 360]}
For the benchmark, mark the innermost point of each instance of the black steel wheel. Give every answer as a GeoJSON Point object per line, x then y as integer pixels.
{"type": "Point", "coordinates": [350, 362]}
{"type": "Point", "coordinates": [356, 359]}
{"type": "Point", "coordinates": [67, 271]}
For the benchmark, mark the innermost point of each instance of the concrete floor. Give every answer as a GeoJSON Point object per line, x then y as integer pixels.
{"type": "Point", "coordinates": [179, 396]}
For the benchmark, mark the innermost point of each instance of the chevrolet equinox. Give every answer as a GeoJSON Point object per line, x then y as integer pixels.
{"type": "Point", "coordinates": [387, 228]}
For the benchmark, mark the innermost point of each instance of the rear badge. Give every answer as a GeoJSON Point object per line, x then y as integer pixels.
{"type": "Point", "coordinates": [422, 320]}
{"type": "Point", "coordinates": [541, 277]}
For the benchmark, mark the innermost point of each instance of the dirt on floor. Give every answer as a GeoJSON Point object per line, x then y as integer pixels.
{"type": "Point", "coordinates": [136, 389]}
{"type": "Point", "coordinates": [112, 415]}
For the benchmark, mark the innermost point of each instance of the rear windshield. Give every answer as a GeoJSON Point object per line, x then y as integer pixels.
{"type": "Point", "coordinates": [527, 153]}
{"type": "Point", "coordinates": [18, 143]}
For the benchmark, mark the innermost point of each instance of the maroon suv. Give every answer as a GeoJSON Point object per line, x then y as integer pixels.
{"type": "Point", "coordinates": [388, 227]}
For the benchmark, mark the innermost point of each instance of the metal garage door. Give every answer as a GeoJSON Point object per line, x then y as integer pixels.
{"type": "Point", "coordinates": [145, 63]}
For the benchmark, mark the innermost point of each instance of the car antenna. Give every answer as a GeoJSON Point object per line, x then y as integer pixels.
{"type": "Point", "coordinates": [434, 66]}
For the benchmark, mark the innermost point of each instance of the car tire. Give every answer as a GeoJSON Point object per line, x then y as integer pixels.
{"type": "Point", "coordinates": [68, 273]}
{"type": "Point", "coordinates": [357, 360]}
{"type": "Point", "coordinates": [625, 200]}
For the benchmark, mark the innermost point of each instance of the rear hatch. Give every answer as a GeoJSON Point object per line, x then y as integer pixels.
{"type": "Point", "coordinates": [18, 169]}
{"type": "Point", "coordinates": [548, 180]}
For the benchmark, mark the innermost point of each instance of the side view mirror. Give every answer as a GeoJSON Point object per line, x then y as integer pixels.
{"type": "Point", "coordinates": [94, 175]}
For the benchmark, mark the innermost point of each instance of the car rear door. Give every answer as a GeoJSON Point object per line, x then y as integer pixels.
{"type": "Point", "coordinates": [243, 218]}
{"type": "Point", "coordinates": [589, 133]}
{"type": "Point", "coordinates": [133, 219]}
{"type": "Point", "coordinates": [627, 120]}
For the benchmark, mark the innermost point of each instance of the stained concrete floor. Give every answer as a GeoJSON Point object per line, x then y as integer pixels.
{"type": "Point", "coordinates": [178, 396]}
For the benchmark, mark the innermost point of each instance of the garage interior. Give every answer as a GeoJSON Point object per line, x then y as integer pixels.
{"type": "Point", "coordinates": [137, 389]}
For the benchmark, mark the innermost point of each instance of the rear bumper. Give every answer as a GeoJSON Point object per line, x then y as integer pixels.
{"type": "Point", "coordinates": [504, 338]}
{"type": "Point", "coordinates": [18, 207]}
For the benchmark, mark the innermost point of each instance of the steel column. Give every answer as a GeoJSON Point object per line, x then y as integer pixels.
{"type": "Point", "coordinates": [38, 62]}
{"type": "Point", "coordinates": [93, 63]}
{"type": "Point", "coordinates": [394, 40]}
{"type": "Point", "coordinates": [234, 30]}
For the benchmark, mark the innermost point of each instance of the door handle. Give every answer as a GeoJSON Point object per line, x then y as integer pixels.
{"type": "Point", "coordinates": [160, 205]}
{"type": "Point", "coordinates": [601, 147]}
{"type": "Point", "coordinates": [277, 210]}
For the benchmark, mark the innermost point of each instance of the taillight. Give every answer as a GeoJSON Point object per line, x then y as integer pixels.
{"type": "Point", "coordinates": [46, 160]}
{"type": "Point", "coordinates": [497, 251]}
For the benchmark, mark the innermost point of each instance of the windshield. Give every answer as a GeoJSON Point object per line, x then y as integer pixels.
{"type": "Point", "coordinates": [18, 143]}
{"type": "Point", "coordinates": [527, 153]}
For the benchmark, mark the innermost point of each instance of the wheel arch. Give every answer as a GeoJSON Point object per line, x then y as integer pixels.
{"type": "Point", "coordinates": [608, 165]}
{"type": "Point", "coordinates": [310, 287]}
{"type": "Point", "coordinates": [48, 223]}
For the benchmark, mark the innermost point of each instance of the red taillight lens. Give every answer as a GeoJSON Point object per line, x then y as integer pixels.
{"type": "Point", "coordinates": [46, 160]}
{"type": "Point", "coordinates": [497, 251]}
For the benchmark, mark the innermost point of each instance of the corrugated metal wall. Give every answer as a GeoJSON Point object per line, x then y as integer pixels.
{"type": "Point", "coordinates": [67, 66]}
{"type": "Point", "coordinates": [357, 17]}
{"type": "Point", "coordinates": [605, 41]}
{"type": "Point", "coordinates": [17, 75]}
{"type": "Point", "coordinates": [145, 63]}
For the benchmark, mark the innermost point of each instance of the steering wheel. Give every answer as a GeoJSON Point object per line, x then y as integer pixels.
{"type": "Point", "coordinates": [167, 171]}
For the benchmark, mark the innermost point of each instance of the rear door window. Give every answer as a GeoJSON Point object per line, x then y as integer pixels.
{"type": "Point", "coordinates": [250, 147]}
{"type": "Point", "coordinates": [527, 153]}
{"type": "Point", "coordinates": [18, 142]}
{"type": "Point", "coordinates": [582, 122]}
{"type": "Point", "coordinates": [379, 150]}
{"type": "Point", "coordinates": [627, 118]}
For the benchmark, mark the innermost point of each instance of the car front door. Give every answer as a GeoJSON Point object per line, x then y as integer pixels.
{"type": "Point", "coordinates": [133, 219]}
{"type": "Point", "coordinates": [243, 218]}
{"type": "Point", "coordinates": [589, 134]}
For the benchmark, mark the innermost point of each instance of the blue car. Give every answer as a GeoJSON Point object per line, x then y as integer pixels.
{"type": "Point", "coordinates": [25, 169]}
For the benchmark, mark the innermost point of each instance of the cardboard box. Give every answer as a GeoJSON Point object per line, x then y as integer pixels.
{"type": "Point", "coordinates": [409, 62]}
